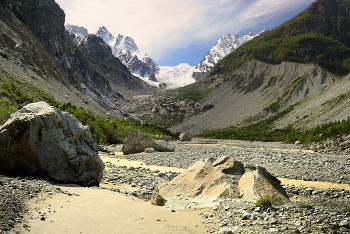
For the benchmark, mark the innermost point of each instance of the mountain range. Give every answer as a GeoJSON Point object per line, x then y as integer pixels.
{"type": "Point", "coordinates": [144, 67]}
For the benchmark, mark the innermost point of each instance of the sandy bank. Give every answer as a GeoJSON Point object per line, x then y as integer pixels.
{"type": "Point", "coordinates": [103, 211]}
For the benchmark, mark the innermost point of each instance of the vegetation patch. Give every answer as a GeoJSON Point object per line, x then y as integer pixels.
{"type": "Point", "coordinates": [267, 201]}
{"type": "Point", "coordinates": [274, 107]}
{"type": "Point", "coordinates": [345, 210]}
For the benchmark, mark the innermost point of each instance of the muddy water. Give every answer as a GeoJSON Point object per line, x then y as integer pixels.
{"type": "Point", "coordinates": [315, 184]}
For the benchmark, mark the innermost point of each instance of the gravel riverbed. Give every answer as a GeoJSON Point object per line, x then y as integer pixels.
{"type": "Point", "coordinates": [282, 160]}
{"type": "Point", "coordinates": [310, 210]}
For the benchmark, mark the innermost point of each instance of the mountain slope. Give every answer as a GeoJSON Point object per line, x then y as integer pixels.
{"type": "Point", "coordinates": [319, 34]}
{"type": "Point", "coordinates": [292, 67]}
{"type": "Point", "coordinates": [225, 45]}
{"type": "Point", "coordinates": [246, 90]}
{"type": "Point", "coordinates": [38, 27]}
{"type": "Point", "coordinates": [256, 91]}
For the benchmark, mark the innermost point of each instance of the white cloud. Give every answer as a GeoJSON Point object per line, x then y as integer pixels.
{"type": "Point", "coordinates": [158, 26]}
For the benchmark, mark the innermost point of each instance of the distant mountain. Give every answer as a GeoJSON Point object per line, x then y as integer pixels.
{"type": "Point", "coordinates": [124, 48]}
{"type": "Point", "coordinates": [138, 63]}
{"type": "Point", "coordinates": [225, 45]}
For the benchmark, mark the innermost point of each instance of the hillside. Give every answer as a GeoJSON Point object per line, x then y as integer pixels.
{"type": "Point", "coordinates": [298, 66]}
{"type": "Point", "coordinates": [319, 34]}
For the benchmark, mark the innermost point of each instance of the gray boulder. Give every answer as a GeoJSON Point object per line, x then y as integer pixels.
{"type": "Point", "coordinates": [137, 142]}
{"type": "Point", "coordinates": [44, 141]}
{"type": "Point", "coordinates": [185, 137]}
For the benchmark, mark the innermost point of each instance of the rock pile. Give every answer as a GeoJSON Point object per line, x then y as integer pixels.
{"type": "Point", "coordinates": [42, 140]}
{"type": "Point", "coordinates": [340, 145]}
{"type": "Point", "coordinates": [207, 182]}
{"type": "Point", "coordinates": [318, 211]}
{"type": "Point", "coordinates": [141, 180]}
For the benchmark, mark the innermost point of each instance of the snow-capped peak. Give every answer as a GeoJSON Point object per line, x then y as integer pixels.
{"type": "Point", "coordinates": [126, 50]}
{"type": "Point", "coordinates": [225, 45]}
{"type": "Point", "coordinates": [106, 36]}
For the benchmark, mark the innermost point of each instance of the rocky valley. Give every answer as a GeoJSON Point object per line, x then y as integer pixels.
{"type": "Point", "coordinates": [91, 125]}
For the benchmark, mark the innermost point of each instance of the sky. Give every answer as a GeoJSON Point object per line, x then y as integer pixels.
{"type": "Point", "coordinates": [180, 31]}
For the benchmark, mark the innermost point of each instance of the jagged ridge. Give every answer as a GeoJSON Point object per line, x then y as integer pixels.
{"type": "Point", "coordinates": [225, 45]}
{"type": "Point", "coordinates": [124, 48]}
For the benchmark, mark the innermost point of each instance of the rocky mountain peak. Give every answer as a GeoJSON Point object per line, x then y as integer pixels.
{"type": "Point", "coordinates": [129, 46]}
{"type": "Point", "coordinates": [125, 48]}
{"type": "Point", "coordinates": [103, 33]}
{"type": "Point", "coordinates": [77, 30]}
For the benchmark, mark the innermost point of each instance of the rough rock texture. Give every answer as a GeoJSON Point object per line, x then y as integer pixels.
{"type": "Point", "coordinates": [207, 182]}
{"type": "Point", "coordinates": [137, 142]}
{"type": "Point", "coordinates": [42, 140]}
{"type": "Point", "coordinates": [185, 136]}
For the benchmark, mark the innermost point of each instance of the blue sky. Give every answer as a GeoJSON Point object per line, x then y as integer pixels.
{"type": "Point", "coordinates": [182, 31]}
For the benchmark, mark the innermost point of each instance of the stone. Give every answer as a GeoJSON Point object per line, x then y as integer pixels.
{"type": "Point", "coordinates": [246, 216]}
{"type": "Point", "coordinates": [137, 142]}
{"type": "Point", "coordinates": [132, 119]}
{"type": "Point", "coordinates": [3, 54]}
{"type": "Point", "coordinates": [44, 141]}
{"type": "Point", "coordinates": [157, 200]}
{"type": "Point", "coordinates": [225, 231]}
{"type": "Point", "coordinates": [185, 137]}
{"type": "Point", "coordinates": [210, 181]}
{"type": "Point", "coordinates": [344, 145]}
{"type": "Point", "coordinates": [344, 223]}
{"type": "Point", "coordinates": [149, 150]}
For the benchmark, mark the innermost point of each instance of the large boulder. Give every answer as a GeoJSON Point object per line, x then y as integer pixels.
{"type": "Point", "coordinates": [44, 141]}
{"type": "Point", "coordinates": [207, 182]}
{"type": "Point", "coordinates": [185, 136]}
{"type": "Point", "coordinates": [137, 142]}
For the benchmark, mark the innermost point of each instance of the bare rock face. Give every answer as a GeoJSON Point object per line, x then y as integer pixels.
{"type": "Point", "coordinates": [137, 142]}
{"type": "Point", "coordinates": [207, 182]}
{"type": "Point", "coordinates": [185, 136]}
{"type": "Point", "coordinates": [44, 141]}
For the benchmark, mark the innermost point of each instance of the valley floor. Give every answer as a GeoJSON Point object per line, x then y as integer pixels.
{"type": "Point", "coordinates": [121, 204]}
